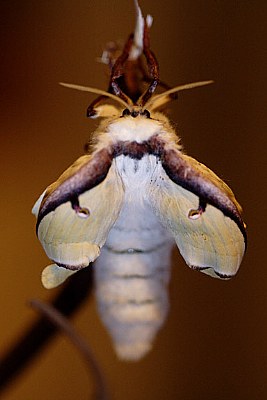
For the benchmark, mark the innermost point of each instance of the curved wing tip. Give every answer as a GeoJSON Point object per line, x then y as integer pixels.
{"type": "Point", "coordinates": [211, 272]}
{"type": "Point", "coordinates": [37, 205]}
{"type": "Point", "coordinates": [53, 275]}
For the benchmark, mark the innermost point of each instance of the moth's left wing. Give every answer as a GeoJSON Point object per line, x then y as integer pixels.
{"type": "Point", "coordinates": [201, 212]}
{"type": "Point", "coordinates": [76, 213]}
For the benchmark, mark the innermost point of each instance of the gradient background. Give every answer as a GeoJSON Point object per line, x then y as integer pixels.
{"type": "Point", "coordinates": [214, 344]}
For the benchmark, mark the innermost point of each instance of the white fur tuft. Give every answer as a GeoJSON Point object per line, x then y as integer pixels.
{"type": "Point", "coordinates": [137, 129]}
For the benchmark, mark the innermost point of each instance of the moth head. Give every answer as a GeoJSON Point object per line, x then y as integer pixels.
{"type": "Point", "coordinates": [135, 112]}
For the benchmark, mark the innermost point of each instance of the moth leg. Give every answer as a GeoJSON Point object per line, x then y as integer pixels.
{"type": "Point", "coordinates": [153, 67]}
{"type": "Point", "coordinates": [117, 70]}
{"type": "Point", "coordinates": [116, 74]}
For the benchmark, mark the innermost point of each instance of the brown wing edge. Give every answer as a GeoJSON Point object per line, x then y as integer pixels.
{"type": "Point", "coordinates": [198, 179]}
{"type": "Point", "coordinates": [75, 181]}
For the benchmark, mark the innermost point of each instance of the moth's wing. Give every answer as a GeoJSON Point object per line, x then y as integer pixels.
{"type": "Point", "coordinates": [213, 243]}
{"type": "Point", "coordinates": [53, 275]}
{"type": "Point", "coordinates": [73, 238]}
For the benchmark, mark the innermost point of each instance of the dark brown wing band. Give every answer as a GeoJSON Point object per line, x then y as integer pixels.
{"type": "Point", "coordinates": [187, 176]}
{"type": "Point", "coordinates": [88, 176]}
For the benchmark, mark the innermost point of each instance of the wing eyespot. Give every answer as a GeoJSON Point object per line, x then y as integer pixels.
{"type": "Point", "coordinates": [146, 113]}
{"type": "Point", "coordinates": [126, 112]}
{"type": "Point", "coordinates": [194, 214]}
{"type": "Point", "coordinates": [82, 212]}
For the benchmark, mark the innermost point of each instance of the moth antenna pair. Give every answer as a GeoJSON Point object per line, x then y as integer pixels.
{"type": "Point", "coordinates": [154, 103]}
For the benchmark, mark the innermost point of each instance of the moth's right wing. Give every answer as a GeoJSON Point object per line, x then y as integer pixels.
{"type": "Point", "coordinates": [76, 214]}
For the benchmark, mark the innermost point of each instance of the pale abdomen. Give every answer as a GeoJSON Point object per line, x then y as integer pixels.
{"type": "Point", "coordinates": [132, 297]}
{"type": "Point", "coordinates": [132, 273]}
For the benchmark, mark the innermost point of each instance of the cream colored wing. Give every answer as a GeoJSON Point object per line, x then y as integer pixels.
{"type": "Point", "coordinates": [208, 239]}
{"type": "Point", "coordinates": [73, 225]}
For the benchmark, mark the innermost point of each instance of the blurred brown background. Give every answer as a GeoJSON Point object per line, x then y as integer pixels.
{"type": "Point", "coordinates": [214, 344]}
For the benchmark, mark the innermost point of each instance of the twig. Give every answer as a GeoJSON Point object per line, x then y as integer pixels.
{"type": "Point", "coordinates": [76, 290]}
{"type": "Point", "coordinates": [64, 325]}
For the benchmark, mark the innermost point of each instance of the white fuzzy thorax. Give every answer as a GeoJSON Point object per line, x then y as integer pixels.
{"type": "Point", "coordinates": [140, 129]}
{"type": "Point", "coordinates": [137, 129]}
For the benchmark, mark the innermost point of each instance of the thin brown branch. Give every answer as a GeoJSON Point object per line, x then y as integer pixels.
{"type": "Point", "coordinates": [66, 328]}
{"type": "Point", "coordinates": [30, 343]}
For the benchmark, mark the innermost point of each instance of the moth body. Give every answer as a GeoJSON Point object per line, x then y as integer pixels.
{"type": "Point", "coordinates": [134, 194]}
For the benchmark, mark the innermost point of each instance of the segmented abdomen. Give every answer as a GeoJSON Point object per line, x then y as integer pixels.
{"type": "Point", "coordinates": [131, 290]}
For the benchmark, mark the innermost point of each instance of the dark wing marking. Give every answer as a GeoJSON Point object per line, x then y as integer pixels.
{"type": "Point", "coordinates": [197, 178]}
{"type": "Point", "coordinates": [87, 172]}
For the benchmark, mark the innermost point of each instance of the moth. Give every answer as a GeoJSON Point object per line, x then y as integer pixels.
{"type": "Point", "coordinates": [134, 194]}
